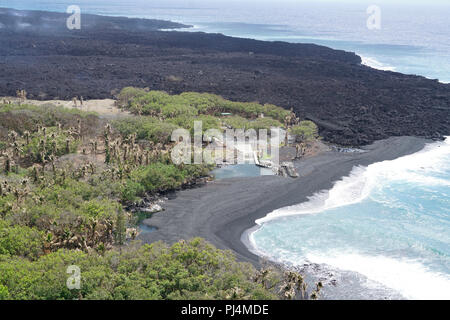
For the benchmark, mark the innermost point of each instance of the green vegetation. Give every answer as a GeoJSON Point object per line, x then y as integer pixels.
{"type": "Point", "coordinates": [305, 130]}
{"type": "Point", "coordinates": [63, 186]}
{"type": "Point", "coordinates": [257, 124]}
{"type": "Point", "coordinates": [66, 177]}
{"type": "Point", "coordinates": [182, 110]}
{"type": "Point", "coordinates": [161, 104]}
{"type": "Point", "coordinates": [17, 240]}
{"type": "Point", "coordinates": [158, 114]}
{"type": "Point", "coordinates": [186, 270]}
{"type": "Point", "coordinates": [146, 128]}
{"type": "Point", "coordinates": [159, 177]}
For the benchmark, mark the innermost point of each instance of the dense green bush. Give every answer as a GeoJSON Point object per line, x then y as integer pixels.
{"type": "Point", "coordinates": [305, 130]}
{"type": "Point", "coordinates": [128, 94]}
{"type": "Point", "coordinates": [186, 122]}
{"type": "Point", "coordinates": [189, 104]}
{"type": "Point", "coordinates": [146, 128]}
{"type": "Point", "coordinates": [16, 240]}
{"type": "Point", "coordinates": [158, 177]}
{"type": "Point", "coordinates": [237, 122]}
{"type": "Point", "coordinates": [186, 270]}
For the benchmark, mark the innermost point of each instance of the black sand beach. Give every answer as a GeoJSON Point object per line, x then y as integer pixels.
{"type": "Point", "coordinates": [223, 210]}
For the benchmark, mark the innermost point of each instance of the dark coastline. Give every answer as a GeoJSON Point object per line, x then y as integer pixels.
{"type": "Point", "coordinates": [223, 210]}
{"type": "Point", "coordinates": [352, 103]}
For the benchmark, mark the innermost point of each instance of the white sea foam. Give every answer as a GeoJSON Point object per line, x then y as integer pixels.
{"type": "Point", "coordinates": [410, 278]}
{"type": "Point", "coordinates": [349, 190]}
{"type": "Point", "coordinates": [375, 64]}
{"type": "Point", "coordinates": [358, 185]}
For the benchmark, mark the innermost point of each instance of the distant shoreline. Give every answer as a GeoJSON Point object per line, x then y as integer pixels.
{"type": "Point", "coordinates": [352, 104]}
{"type": "Point", "coordinates": [222, 211]}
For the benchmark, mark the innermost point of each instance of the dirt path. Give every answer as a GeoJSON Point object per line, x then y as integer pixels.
{"type": "Point", "coordinates": [103, 107]}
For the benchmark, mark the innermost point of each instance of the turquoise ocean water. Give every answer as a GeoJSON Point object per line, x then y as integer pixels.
{"type": "Point", "coordinates": [388, 222]}
{"type": "Point", "coordinates": [385, 229]}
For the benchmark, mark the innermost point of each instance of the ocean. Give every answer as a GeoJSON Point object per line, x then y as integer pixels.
{"type": "Point", "coordinates": [389, 223]}
{"type": "Point", "coordinates": [383, 232]}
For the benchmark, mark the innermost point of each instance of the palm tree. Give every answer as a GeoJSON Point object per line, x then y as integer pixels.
{"type": "Point", "coordinates": [35, 174]}
{"type": "Point", "coordinates": [63, 176]}
{"type": "Point", "coordinates": [51, 159]}
{"type": "Point", "coordinates": [120, 232]}
{"type": "Point", "coordinates": [125, 153]}
{"type": "Point", "coordinates": [53, 143]}
{"type": "Point", "coordinates": [315, 294]}
{"type": "Point", "coordinates": [12, 135]}
{"type": "Point", "coordinates": [67, 145]}
{"type": "Point", "coordinates": [147, 157]}
{"type": "Point", "coordinates": [8, 163]}
{"type": "Point", "coordinates": [24, 184]}
{"type": "Point", "coordinates": [16, 149]}
{"type": "Point", "coordinates": [43, 161]}
{"type": "Point", "coordinates": [26, 135]}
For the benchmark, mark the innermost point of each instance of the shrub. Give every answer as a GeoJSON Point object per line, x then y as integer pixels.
{"type": "Point", "coordinates": [146, 128]}
{"type": "Point", "coordinates": [185, 122]}
{"type": "Point", "coordinates": [20, 240]}
{"type": "Point", "coordinates": [127, 94]}
{"type": "Point", "coordinates": [305, 131]}
{"type": "Point", "coordinates": [132, 190]}
{"type": "Point", "coordinates": [238, 122]}
{"type": "Point", "coordinates": [160, 177]}
{"type": "Point", "coordinates": [159, 103]}
{"type": "Point", "coordinates": [185, 270]}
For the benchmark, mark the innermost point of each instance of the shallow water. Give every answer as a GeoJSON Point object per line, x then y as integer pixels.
{"type": "Point", "coordinates": [240, 171]}
{"type": "Point", "coordinates": [146, 229]}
